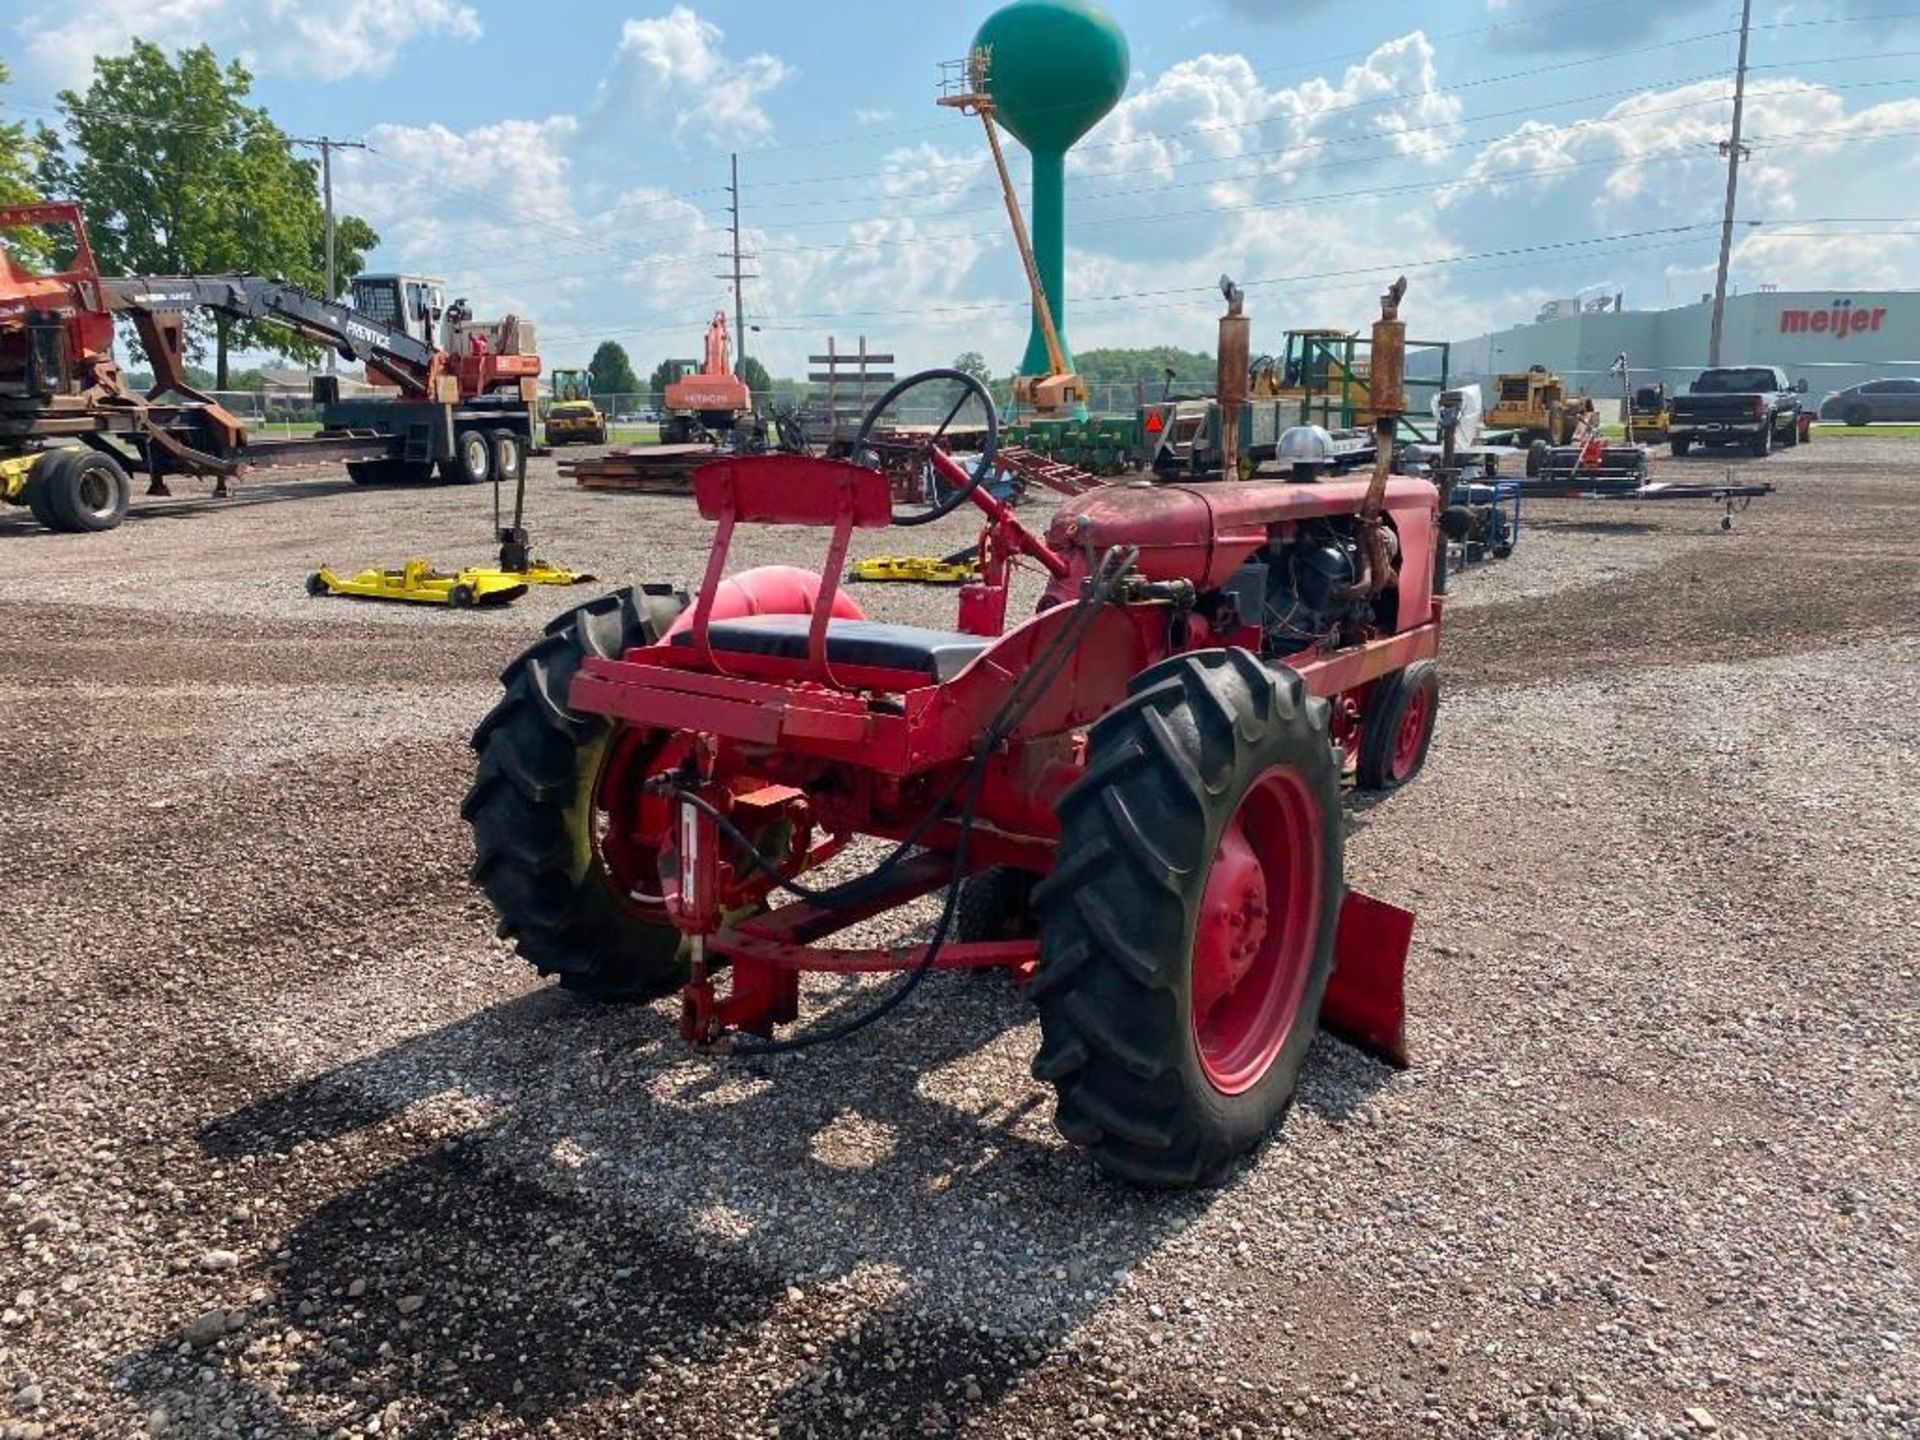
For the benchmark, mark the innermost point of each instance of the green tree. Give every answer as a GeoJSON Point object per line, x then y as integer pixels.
{"type": "Point", "coordinates": [664, 374]}
{"type": "Point", "coordinates": [352, 239]}
{"type": "Point", "coordinates": [178, 174]}
{"type": "Point", "coordinates": [612, 372]}
{"type": "Point", "coordinates": [759, 383]}
{"type": "Point", "coordinates": [1149, 363]}
{"type": "Point", "coordinates": [972, 362]}
{"type": "Point", "coordinates": [19, 159]}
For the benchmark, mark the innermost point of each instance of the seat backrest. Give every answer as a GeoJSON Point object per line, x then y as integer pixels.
{"type": "Point", "coordinates": [786, 490]}
{"type": "Point", "coordinates": [792, 490]}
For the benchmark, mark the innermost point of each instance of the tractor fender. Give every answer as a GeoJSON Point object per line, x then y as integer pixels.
{"type": "Point", "coordinates": [768, 590]}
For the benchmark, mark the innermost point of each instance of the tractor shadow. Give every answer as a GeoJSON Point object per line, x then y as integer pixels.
{"type": "Point", "coordinates": [887, 1225]}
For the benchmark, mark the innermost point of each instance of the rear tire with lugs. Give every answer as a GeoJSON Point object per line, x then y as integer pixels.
{"type": "Point", "coordinates": [995, 904]}
{"type": "Point", "coordinates": [532, 811]}
{"type": "Point", "coordinates": [1186, 930]}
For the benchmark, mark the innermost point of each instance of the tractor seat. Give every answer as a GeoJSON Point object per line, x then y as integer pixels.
{"type": "Point", "coordinates": [938, 654]}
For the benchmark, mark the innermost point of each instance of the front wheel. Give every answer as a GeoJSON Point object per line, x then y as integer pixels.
{"type": "Point", "coordinates": [1186, 930]}
{"type": "Point", "coordinates": [1679, 447]}
{"type": "Point", "coordinates": [541, 831]}
{"type": "Point", "coordinates": [1857, 415]}
{"type": "Point", "coordinates": [1398, 727]}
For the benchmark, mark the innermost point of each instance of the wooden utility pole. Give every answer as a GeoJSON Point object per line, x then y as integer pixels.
{"type": "Point", "coordinates": [1733, 150]}
{"type": "Point", "coordinates": [326, 144]}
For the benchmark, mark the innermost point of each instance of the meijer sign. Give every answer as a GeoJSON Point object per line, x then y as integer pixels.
{"type": "Point", "coordinates": [1838, 320]}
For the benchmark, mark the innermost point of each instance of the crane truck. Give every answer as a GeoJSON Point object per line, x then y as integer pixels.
{"type": "Point", "coordinates": [449, 395]}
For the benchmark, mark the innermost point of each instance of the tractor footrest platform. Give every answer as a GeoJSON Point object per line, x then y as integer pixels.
{"type": "Point", "coordinates": [938, 654]}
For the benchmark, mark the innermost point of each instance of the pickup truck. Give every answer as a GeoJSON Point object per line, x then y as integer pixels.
{"type": "Point", "coordinates": [1751, 405]}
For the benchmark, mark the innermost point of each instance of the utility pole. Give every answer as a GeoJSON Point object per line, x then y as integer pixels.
{"type": "Point", "coordinates": [326, 145]}
{"type": "Point", "coordinates": [1734, 151]}
{"type": "Point", "coordinates": [738, 275]}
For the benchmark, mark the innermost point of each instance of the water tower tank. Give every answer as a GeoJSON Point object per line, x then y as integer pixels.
{"type": "Point", "coordinates": [1054, 67]}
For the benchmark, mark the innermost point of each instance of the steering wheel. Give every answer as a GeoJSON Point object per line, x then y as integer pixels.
{"type": "Point", "coordinates": [912, 452]}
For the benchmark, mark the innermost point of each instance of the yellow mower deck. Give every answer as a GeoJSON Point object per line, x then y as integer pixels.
{"type": "Point", "coordinates": [915, 569]}
{"type": "Point", "coordinates": [420, 583]}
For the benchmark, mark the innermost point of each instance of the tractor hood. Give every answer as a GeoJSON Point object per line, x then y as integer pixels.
{"type": "Point", "coordinates": [1204, 532]}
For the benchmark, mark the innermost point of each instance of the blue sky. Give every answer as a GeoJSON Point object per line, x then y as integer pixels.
{"type": "Point", "coordinates": [567, 161]}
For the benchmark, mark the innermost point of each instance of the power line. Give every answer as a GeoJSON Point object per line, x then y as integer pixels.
{"type": "Point", "coordinates": [628, 256]}
{"type": "Point", "coordinates": [1502, 177]}
{"type": "Point", "coordinates": [1524, 258]}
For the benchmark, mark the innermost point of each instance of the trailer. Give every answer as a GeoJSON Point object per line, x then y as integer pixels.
{"type": "Point", "coordinates": [454, 398]}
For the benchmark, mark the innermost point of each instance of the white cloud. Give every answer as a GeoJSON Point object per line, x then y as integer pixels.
{"type": "Point", "coordinates": [1316, 188]}
{"type": "Point", "coordinates": [334, 41]}
{"type": "Point", "coordinates": [497, 212]}
{"type": "Point", "coordinates": [1653, 160]}
{"type": "Point", "coordinates": [674, 66]}
{"type": "Point", "coordinates": [1214, 108]}
{"type": "Point", "coordinates": [864, 116]}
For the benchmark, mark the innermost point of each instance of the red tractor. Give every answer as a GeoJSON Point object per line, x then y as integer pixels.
{"type": "Point", "coordinates": [1130, 799]}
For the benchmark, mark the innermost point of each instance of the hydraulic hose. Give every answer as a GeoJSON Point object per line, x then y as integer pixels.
{"type": "Point", "coordinates": [1113, 568]}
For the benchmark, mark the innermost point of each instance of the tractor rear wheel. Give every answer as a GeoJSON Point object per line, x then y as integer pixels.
{"type": "Point", "coordinates": [1186, 930]}
{"type": "Point", "coordinates": [1399, 725]}
{"type": "Point", "coordinates": [536, 814]}
{"type": "Point", "coordinates": [90, 492]}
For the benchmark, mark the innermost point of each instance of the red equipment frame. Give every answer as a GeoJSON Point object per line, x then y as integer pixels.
{"type": "Point", "coordinates": [756, 735]}
{"type": "Point", "coordinates": [77, 288]}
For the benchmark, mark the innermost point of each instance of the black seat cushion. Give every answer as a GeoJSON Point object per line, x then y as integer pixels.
{"type": "Point", "coordinates": [939, 654]}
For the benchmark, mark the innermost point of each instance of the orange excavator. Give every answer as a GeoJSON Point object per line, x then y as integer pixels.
{"type": "Point", "coordinates": [708, 401]}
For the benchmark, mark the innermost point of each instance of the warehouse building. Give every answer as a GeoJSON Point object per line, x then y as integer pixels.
{"type": "Point", "coordinates": [1829, 338]}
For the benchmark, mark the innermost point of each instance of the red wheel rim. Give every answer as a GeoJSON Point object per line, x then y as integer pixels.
{"type": "Point", "coordinates": [1413, 732]}
{"type": "Point", "coordinates": [631, 824]}
{"type": "Point", "coordinates": [1259, 922]}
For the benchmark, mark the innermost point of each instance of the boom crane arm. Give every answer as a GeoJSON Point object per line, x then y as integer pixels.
{"type": "Point", "coordinates": [409, 363]}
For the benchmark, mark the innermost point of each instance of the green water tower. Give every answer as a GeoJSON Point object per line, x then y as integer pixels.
{"type": "Point", "coordinates": [1054, 67]}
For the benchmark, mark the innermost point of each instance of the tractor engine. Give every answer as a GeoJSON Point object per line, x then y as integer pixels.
{"type": "Point", "coordinates": [1297, 590]}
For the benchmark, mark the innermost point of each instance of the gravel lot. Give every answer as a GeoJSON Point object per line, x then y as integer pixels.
{"type": "Point", "coordinates": [294, 1147]}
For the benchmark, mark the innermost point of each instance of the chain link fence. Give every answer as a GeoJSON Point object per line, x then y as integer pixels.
{"type": "Point", "coordinates": [634, 417]}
